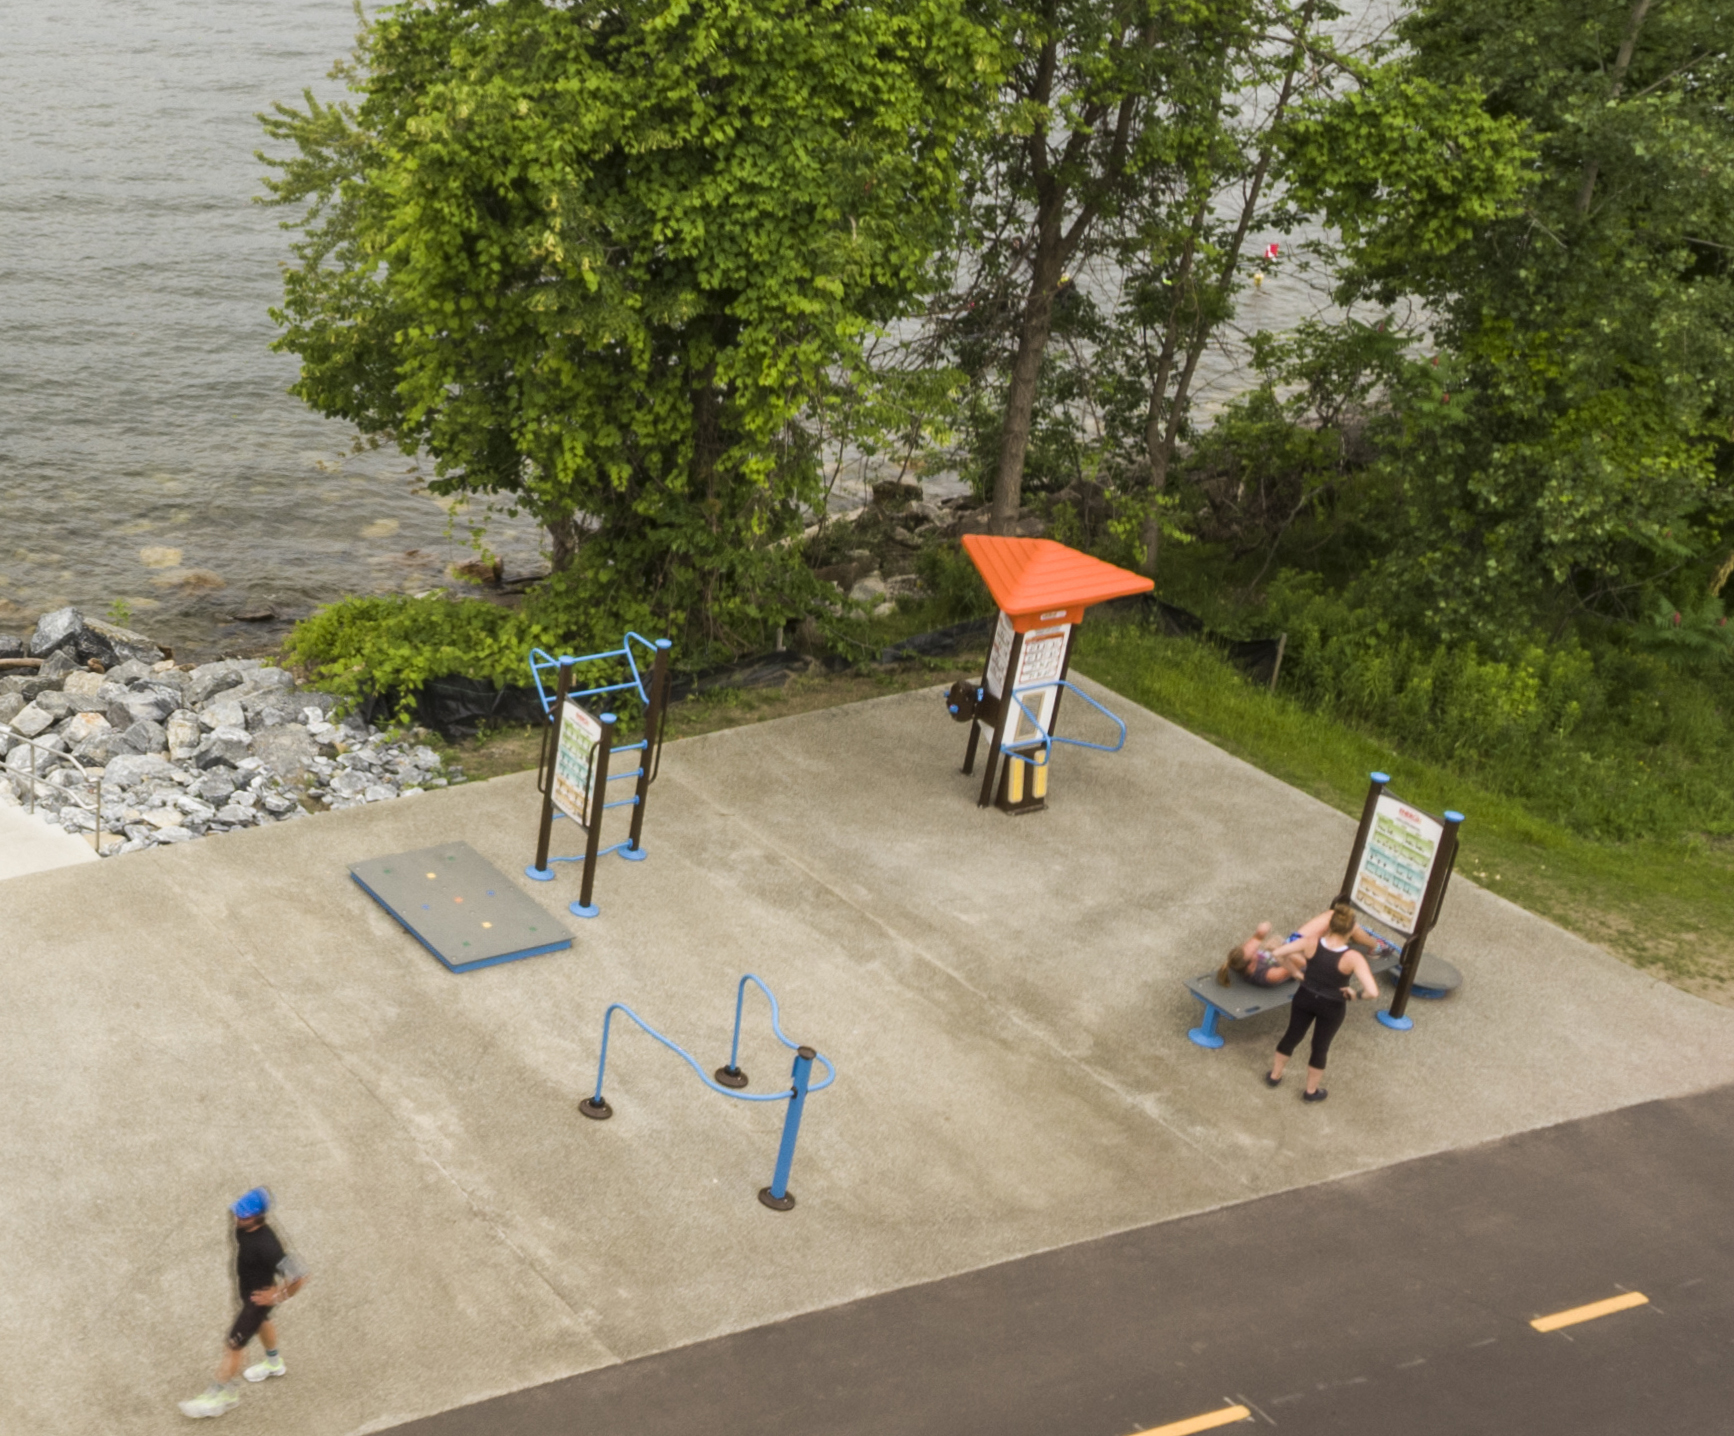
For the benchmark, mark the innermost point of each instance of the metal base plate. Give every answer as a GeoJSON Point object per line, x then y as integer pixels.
{"type": "Point", "coordinates": [459, 906]}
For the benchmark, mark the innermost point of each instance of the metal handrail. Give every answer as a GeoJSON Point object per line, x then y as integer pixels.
{"type": "Point", "coordinates": [35, 748]}
{"type": "Point", "coordinates": [1023, 747]}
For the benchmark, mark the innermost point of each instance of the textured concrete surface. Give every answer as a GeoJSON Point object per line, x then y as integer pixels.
{"type": "Point", "coordinates": [29, 845]}
{"type": "Point", "coordinates": [1001, 995]}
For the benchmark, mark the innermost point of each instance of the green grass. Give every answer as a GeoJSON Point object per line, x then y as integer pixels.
{"type": "Point", "coordinates": [1663, 906]}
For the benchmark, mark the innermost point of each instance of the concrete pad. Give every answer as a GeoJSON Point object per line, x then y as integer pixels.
{"type": "Point", "coordinates": [30, 844]}
{"type": "Point", "coordinates": [1002, 998]}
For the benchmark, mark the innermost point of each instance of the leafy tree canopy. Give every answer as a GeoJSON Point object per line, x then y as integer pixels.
{"type": "Point", "coordinates": [596, 258]}
{"type": "Point", "coordinates": [1556, 185]}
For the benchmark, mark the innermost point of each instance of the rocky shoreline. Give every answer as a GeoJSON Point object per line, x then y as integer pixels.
{"type": "Point", "coordinates": [104, 734]}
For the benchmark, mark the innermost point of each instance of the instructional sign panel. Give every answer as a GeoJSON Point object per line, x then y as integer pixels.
{"type": "Point", "coordinates": [1000, 656]}
{"type": "Point", "coordinates": [574, 763]}
{"type": "Point", "coordinates": [1043, 657]}
{"type": "Point", "coordinates": [1392, 877]}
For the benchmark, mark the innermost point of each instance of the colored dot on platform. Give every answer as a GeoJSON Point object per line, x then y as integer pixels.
{"type": "Point", "coordinates": [487, 924]}
{"type": "Point", "coordinates": [424, 907]}
{"type": "Point", "coordinates": [433, 875]}
{"type": "Point", "coordinates": [457, 899]}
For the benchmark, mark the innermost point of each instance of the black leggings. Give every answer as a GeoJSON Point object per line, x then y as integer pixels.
{"type": "Point", "coordinates": [1308, 1007]}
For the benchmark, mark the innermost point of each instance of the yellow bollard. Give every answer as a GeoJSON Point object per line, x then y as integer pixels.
{"type": "Point", "coordinates": [1039, 777]}
{"type": "Point", "coordinates": [1014, 780]}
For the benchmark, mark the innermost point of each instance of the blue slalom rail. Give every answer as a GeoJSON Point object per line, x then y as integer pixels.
{"type": "Point", "coordinates": [776, 1196]}
{"type": "Point", "coordinates": [1025, 749]}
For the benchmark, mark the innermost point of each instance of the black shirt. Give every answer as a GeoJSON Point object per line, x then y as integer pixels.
{"type": "Point", "coordinates": [256, 1256]}
{"type": "Point", "coordinates": [1323, 977]}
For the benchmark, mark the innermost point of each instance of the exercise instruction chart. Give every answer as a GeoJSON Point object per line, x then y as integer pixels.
{"type": "Point", "coordinates": [1395, 864]}
{"type": "Point", "coordinates": [574, 764]}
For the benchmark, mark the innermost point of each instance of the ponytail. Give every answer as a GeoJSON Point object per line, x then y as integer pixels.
{"type": "Point", "coordinates": [1237, 962]}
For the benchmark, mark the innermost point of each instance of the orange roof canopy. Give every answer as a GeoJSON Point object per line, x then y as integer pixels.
{"type": "Point", "coordinates": [1030, 576]}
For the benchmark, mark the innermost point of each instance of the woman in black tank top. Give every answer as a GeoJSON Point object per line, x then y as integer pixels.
{"type": "Point", "coordinates": [1324, 966]}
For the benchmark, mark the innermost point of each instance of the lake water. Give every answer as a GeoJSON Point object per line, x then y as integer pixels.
{"type": "Point", "coordinates": [150, 455]}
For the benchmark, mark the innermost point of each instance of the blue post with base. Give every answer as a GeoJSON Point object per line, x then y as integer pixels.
{"type": "Point", "coordinates": [1205, 1034]}
{"type": "Point", "coordinates": [777, 1196]}
{"type": "Point", "coordinates": [1396, 1017]}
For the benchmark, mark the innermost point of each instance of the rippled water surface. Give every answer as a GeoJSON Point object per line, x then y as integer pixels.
{"type": "Point", "coordinates": [149, 453]}
{"type": "Point", "coordinates": [148, 450]}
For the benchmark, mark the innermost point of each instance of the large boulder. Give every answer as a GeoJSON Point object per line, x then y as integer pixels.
{"type": "Point", "coordinates": [62, 704]}
{"type": "Point", "coordinates": [11, 704]}
{"type": "Point", "coordinates": [57, 665]}
{"type": "Point", "coordinates": [146, 736]}
{"type": "Point", "coordinates": [124, 643]}
{"type": "Point", "coordinates": [32, 720]}
{"type": "Point", "coordinates": [83, 726]}
{"type": "Point", "coordinates": [184, 733]}
{"type": "Point", "coordinates": [55, 631]}
{"type": "Point", "coordinates": [286, 750]}
{"type": "Point", "coordinates": [11, 646]}
{"type": "Point", "coordinates": [210, 679]}
{"type": "Point", "coordinates": [103, 748]}
{"type": "Point", "coordinates": [129, 672]}
{"type": "Point", "coordinates": [141, 705]}
{"type": "Point", "coordinates": [223, 748]}
{"type": "Point", "coordinates": [128, 769]}
{"type": "Point", "coordinates": [272, 707]}
{"type": "Point", "coordinates": [223, 712]}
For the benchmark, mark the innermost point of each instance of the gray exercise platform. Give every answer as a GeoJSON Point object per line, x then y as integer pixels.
{"type": "Point", "coordinates": [459, 906]}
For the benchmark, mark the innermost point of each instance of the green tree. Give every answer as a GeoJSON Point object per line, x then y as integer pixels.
{"type": "Point", "coordinates": [1079, 135]}
{"type": "Point", "coordinates": [597, 258]}
{"type": "Point", "coordinates": [1556, 186]}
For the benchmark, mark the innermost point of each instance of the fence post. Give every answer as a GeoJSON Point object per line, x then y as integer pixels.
{"type": "Point", "coordinates": [1276, 668]}
{"type": "Point", "coordinates": [541, 872]}
{"type": "Point", "coordinates": [598, 802]}
{"type": "Point", "coordinates": [777, 1196]}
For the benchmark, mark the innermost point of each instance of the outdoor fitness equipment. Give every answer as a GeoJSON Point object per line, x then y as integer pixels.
{"type": "Point", "coordinates": [572, 774]}
{"type": "Point", "coordinates": [729, 1079]}
{"type": "Point", "coordinates": [1398, 871]}
{"type": "Point", "coordinates": [1042, 589]}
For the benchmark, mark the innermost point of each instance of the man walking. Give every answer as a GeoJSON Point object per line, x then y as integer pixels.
{"type": "Point", "coordinates": [266, 1276]}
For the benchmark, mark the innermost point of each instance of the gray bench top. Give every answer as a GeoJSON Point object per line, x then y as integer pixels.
{"type": "Point", "coordinates": [1247, 999]}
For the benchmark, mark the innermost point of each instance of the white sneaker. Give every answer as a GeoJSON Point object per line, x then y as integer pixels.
{"type": "Point", "coordinates": [264, 1370]}
{"type": "Point", "coordinates": [213, 1403]}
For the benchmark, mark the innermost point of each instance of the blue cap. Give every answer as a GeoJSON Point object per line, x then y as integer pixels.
{"type": "Point", "coordinates": [254, 1204]}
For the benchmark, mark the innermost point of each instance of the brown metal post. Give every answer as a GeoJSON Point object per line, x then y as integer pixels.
{"type": "Point", "coordinates": [1375, 787]}
{"type": "Point", "coordinates": [598, 801]}
{"type": "Point", "coordinates": [550, 761]}
{"type": "Point", "coordinates": [652, 716]}
{"type": "Point", "coordinates": [1437, 881]}
{"type": "Point", "coordinates": [1006, 706]}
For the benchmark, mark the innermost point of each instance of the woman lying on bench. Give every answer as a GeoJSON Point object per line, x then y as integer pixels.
{"type": "Point", "coordinates": [1254, 961]}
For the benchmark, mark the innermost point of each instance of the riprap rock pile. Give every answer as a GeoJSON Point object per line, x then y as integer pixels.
{"type": "Point", "coordinates": [109, 729]}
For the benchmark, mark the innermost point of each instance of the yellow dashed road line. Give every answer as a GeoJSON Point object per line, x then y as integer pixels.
{"type": "Point", "coordinates": [1624, 1302]}
{"type": "Point", "coordinates": [1209, 1421]}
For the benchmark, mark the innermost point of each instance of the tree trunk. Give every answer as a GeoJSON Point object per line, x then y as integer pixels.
{"type": "Point", "coordinates": [1622, 63]}
{"type": "Point", "coordinates": [1027, 370]}
{"type": "Point", "coordinates": [566, 537]}
{"type": "Point", "coordinates": [1161, 455]}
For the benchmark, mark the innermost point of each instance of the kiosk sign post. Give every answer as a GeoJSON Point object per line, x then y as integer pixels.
{"type": "Point", "coordinates": [574, 761]}
{"type": "Point", "coordinates": [1396, 862]}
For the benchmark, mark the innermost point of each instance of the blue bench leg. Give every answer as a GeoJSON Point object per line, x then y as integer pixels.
{"type": "Point", "coordinates": [1396, 1024]}
{"type": "Point", "coordinates": [1205, 1034]}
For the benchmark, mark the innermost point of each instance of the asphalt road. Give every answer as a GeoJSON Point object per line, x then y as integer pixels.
{"type": "Point", "coordinates": [1398, 1301]}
